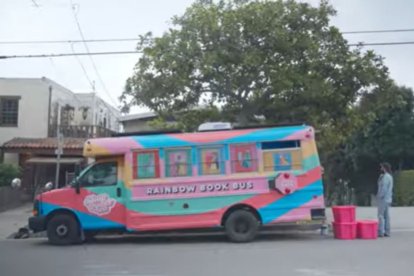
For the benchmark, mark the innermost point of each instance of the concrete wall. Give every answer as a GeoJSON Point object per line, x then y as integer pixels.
{"type": "Point", "coordinates": [65, 102]}
{"type": "Point", "coordinates": [98, 112]}
{"type": "Point", "coordinates": [33, 107]}
{"type": "Point", "coordinates": [11, 158]}
{"type": "Point", "coordinates": [10, 198]}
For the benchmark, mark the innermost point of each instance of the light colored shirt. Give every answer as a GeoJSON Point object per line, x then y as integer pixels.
{"type": "Point", "coordinates": [385, 186]}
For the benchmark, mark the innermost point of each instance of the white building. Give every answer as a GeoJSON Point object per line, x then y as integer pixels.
{"type": "Point", "coordinates": [31, 109]}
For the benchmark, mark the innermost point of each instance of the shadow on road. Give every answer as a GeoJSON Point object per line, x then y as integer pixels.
{"type": "Point", "coordinates": [201, 238]}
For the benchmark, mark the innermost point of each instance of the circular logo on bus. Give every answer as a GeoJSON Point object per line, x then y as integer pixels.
{"type": "Point", "coordinates": [286, 183]}
{"type": "Point", "coordinates": [100, 204]}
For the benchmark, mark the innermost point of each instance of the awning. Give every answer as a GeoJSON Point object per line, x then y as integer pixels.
{"type": "Point", "coordinates": [53, 160]}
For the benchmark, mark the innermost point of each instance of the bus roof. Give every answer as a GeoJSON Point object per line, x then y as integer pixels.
{"type": "Point", "coordinates": [122, 145]}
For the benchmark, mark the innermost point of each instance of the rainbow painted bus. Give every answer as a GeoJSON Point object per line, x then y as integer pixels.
{"type": "Point", "coordinates": [237, 180]}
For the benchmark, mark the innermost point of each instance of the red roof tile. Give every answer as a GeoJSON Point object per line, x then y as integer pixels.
{"type": "Point", "coordinates": [43, 143]}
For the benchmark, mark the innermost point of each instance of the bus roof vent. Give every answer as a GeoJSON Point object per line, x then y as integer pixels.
{"type": "Point", "coordinates": [214, 126]}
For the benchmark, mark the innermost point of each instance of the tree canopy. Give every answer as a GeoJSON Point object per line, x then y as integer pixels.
{"type": "Point", "coordinates": [282, 61]}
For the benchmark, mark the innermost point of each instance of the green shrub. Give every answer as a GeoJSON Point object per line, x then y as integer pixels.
{"type": "Point", "coordinates": [404, 188]}
{"type": "Point", "coordinates": [7, 173]}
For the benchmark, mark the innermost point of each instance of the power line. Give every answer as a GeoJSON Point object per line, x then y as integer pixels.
{"type": "Point", "coordinates": [83, 69]}
{"type": "Point", "coordinates": [75, 16]}
{"type": "Point", "coordinates": [379, 31]}
{"type": "Point", "coordinates": [69, 54]}
{"type": "Point", "coordinates": [138, 52]}
{"type": "Point", "coordinates": [35, 4]}
{"type": "Point", "coordinates": [68, 41]}
{"type": "Point", "coordinates": [382, 43]}
{"type": "Point", "coordinates": [136, 39]}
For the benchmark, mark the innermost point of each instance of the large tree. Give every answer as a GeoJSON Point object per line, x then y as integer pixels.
{"type": "Point", "coordinates": [278, 59]}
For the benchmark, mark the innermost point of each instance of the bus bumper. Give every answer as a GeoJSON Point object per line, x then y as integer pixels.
{"type": "Point", "coordinates": [37, 224]}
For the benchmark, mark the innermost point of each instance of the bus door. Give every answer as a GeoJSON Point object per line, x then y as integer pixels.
{"type": "Point", "coordinates": [103, 195]}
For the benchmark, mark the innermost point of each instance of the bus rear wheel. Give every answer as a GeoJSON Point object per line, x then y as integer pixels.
{"type": "Point", "coordinates": [241, 226]}
{"type": "Point", "coordinates": [63, 229]}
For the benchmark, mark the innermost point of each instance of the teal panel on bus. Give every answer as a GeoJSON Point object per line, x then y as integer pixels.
{"type": "Point", "coordinates": [175, 206]}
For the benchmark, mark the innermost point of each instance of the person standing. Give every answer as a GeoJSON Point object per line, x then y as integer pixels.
{"type": "Point", "coordinates": [384, 200]}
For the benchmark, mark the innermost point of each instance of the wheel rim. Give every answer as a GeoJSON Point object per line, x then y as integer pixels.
{"type": "Point", "coordinates": [62, 230]}
{"type": "Point", "coordinates": [241, 226]}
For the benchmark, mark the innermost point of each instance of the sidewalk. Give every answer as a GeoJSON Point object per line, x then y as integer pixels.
{"type": "Point", "coordinates": [12, 220]}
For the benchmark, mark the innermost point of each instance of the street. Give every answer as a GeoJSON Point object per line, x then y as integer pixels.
{"type": "Point", "coordinates": [301, 254]}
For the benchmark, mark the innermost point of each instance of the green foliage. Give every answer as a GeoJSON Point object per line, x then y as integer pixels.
{"type": "Point", "coordinates": [187, 120]}
{"type": "Point", "coordinates": [385, 136]}
{"type": "Point", "coordinates": [285, 62]}
{"type": "Point", "coordinates": [8, 173]}
{"type": "Point", "coordinates": [254, 58]}
{"type": "Point", "coordinates": [404, 188]}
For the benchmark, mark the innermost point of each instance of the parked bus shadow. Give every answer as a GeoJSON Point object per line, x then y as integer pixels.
{"type": "Point", "coordinates": [180, 238]}
{"type": "Point", "coordinates": [198, 237]}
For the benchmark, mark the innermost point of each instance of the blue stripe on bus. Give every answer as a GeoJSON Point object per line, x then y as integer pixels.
{"type": "Point", "coordinates": [88, 222]}
{"type": "Point", "coordinates": [290, 202]}
{"type": "Point", "coordinates": [265, 135]}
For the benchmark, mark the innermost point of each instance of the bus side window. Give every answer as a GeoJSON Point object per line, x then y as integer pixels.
{"type": "Point", "coordinates": [282, 155]}
{"type": "Point", "coordinates": [101, 174]}
{"type": "Point", "coordinates": [243, 158]}
{"type": "Point", "coordinates": [178, 162]}
{"type": "Point", "coordinates": [146, 164]}
{"type": "Point", "coordinates": [211, 160]}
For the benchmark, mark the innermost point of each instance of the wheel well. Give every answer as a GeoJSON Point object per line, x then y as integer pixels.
{"type": "Point", "coordinates": [61, 212]}
{"type": "Point", "coordinates": [241, 207]}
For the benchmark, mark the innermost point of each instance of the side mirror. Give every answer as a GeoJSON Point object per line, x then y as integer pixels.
{"type": "Point", "coordinates": [48, 186]}
{"type": "Point", "coordinates": [16, 183]}
{"type": "Point", "coordinates": [77, 169]}
{"type": "Point", "coordinates": [77, 186]}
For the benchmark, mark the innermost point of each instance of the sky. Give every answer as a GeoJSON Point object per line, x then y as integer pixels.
{"type": "Point", "coordinates": [55, 20]}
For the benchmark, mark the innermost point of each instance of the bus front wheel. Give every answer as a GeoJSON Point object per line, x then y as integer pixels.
{"type": "Point", "coordinates": [63, 229]}
{"type": "Point", "coordinates": [241, 226]}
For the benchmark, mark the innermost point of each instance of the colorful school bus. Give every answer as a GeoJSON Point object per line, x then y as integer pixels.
{"type": "Point", "coordinates": [238, 180]}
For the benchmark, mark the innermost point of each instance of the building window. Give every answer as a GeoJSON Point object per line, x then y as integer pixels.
{"type": "Point", "coordinates": [282, 155]}
{"type": "Point", "coordinates": [211, 161]}
{"type": "Point", "coordinates": [243, 158]}
{"type": "Point", "coordinates": [178, 162]}
{"type": "Point", "coordinates": [146, 164]}
{"type": "Point", "coordinates": [9, 111]}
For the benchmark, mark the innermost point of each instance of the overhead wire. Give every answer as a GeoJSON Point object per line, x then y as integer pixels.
{"type": "Point", "coordinates": [91, 83]}
{"type": "Point", "coordinates": [74, 12]}
{"type": "Point", "coordinates": [69, 54]}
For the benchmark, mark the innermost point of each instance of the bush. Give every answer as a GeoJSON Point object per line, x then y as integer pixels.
{"type": "Point", "coordinates": [404, 188]}
{"type": "Point", "coordinates": [7, 173]}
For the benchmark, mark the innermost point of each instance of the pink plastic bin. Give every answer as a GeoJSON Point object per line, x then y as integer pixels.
{"type": "Point", "coordinates": [367, 229]}
{"type": "Point", "coordinates": [344, 214]}
{"type": "Point", "coordinates": [345, 231]}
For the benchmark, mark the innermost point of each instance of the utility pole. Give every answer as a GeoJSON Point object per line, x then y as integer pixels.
{"type": "Point", "coordinates": [59, 149]}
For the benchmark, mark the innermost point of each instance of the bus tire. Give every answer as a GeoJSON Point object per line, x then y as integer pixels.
{"type": "Point", "coordinates": [241, 226]}
{"type": "Point", "coordinates": [63, 229]}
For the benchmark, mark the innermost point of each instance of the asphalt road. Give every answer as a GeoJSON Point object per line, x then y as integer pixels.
{"type": "Point", "coordinates": [304, 254]}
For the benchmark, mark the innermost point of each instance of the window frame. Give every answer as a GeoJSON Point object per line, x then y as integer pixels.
{"type": "Point", "coordinates": [282, 150]}
{"type": "Point", "coordinates": [189, 153]}
{"type": "Point", "coordinates": [135, 154]}
{"type": "Point", "coordinates": [9, 98]}
{"type": "Point", "coordinates": [254, 157]}
{"type": "Point", "coordinates": [92, 166]}
{"type": "Point", "coordinates": [221, 162]}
